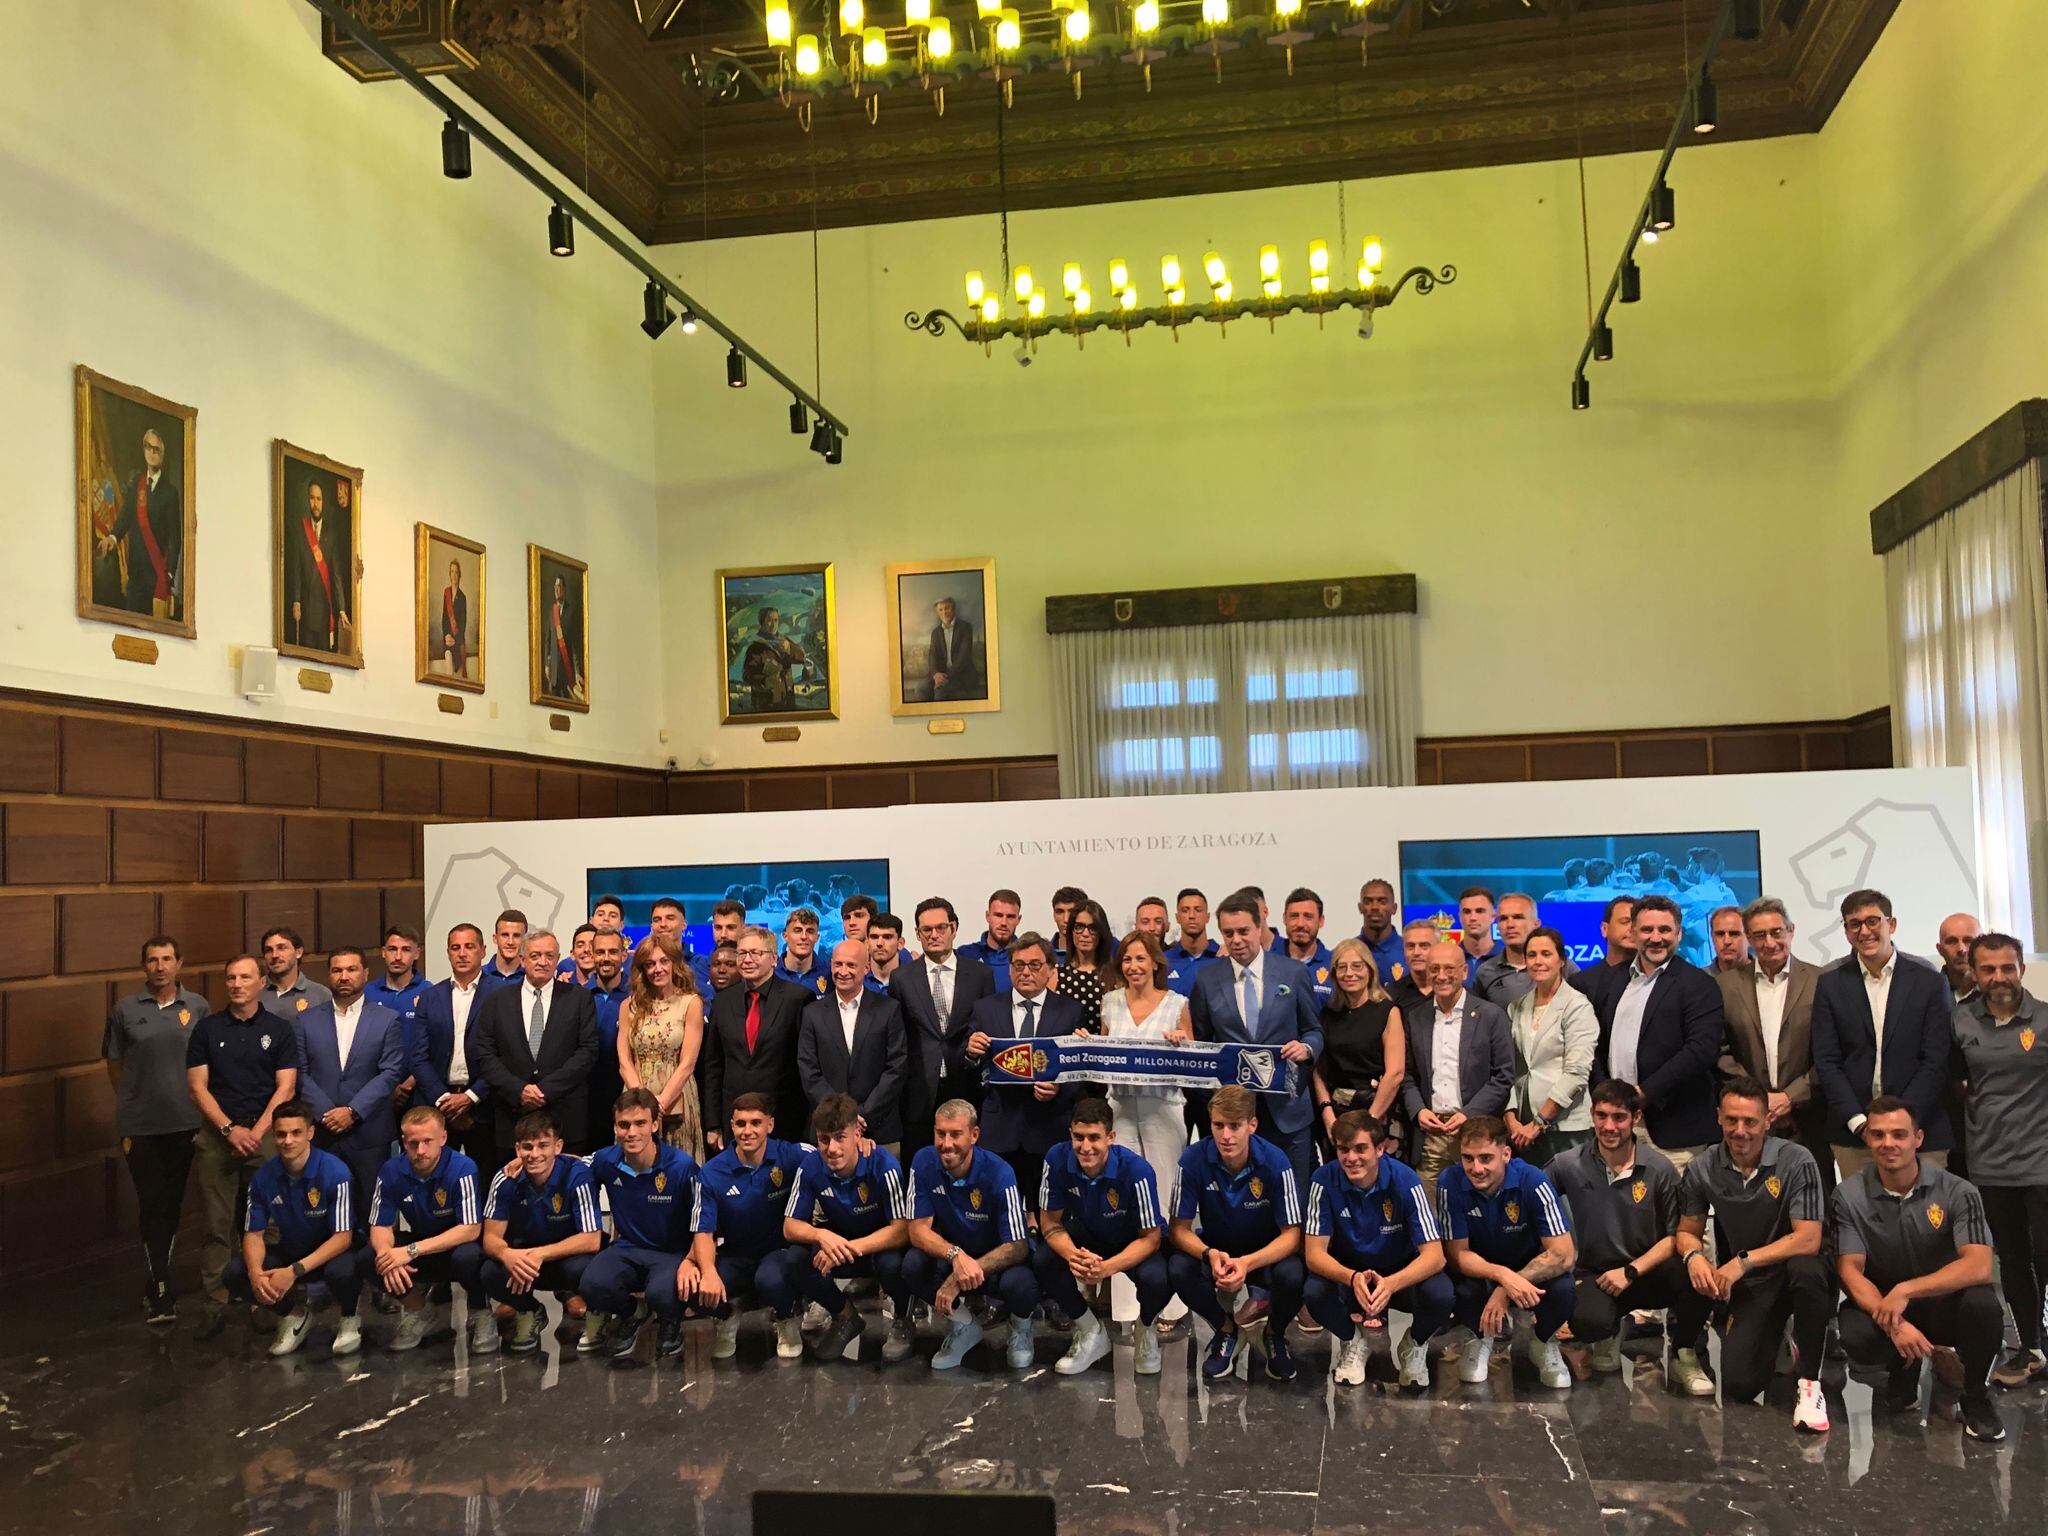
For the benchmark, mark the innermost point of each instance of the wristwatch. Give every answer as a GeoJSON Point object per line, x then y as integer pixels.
{"type": "Point", "coordinates": [412, 1253]}
{"type": "Point", "coordinates": [952, 1253]}
{"type": "Point", "coordinates": [298, 1269]}
{"type": "Point", "coordinates": [1743, 1259]}
{"type": "Point", "coordinates": [226, 1129]}
{"type": "Point", "coordinates": [1698, 1253]}
{"type": "Point", "coordinates": [1630, 1273]}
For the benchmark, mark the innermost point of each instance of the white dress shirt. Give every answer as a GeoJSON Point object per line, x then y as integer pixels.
{"type": "Point", "coordinates": [1627, 1035]}
{"type": "Point", "coordinates": [345, 1022]}
{"type": "Point", "coordinates": [1771, 992]}
{"type": "Point", "coordinates": [1017, 1002]}
{"type": "Point", "coordinates": [1878, 989]}
{"type": "Point", "coordinates": [1445, 1047]}
{"type": "Point", "coordinates": [945, 648]}
{"type": "Point", "coordinates": [527, 993]}
{"type": "Point", "coordinates": [941, 977]}
{"type": "Point", "coordinates": [460, 1000]}
{"type": "Point", "coordinates": [1257, 971]}
{"type": "Point", "coordinates": [849, 1017]}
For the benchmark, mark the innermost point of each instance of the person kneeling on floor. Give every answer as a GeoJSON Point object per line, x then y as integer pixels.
{"type": "Point", "coordinates": [299, 1225]}
{"type": "Point", "coordinates": [435, 1189]}
{"type": "Point", "coordinates": [968, 1237]}
{"type": "Point", "coordinates": [541, 1230]}
{"type": "Point", "coordinates": [1511, 1247]}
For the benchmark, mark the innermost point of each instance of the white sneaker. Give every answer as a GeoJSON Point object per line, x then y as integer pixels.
{"type": "Point", "coordinates": [414, 1324]}
{"type": "Point", "coordinates": [1023, 1339]}
{"type": "Point", "coordinates": [1550, 1367]}
{"type": "Point", "coordinates": [1145, 1350]}
{"type": "Point", "coordinates": [1091, 1343]}
{"type": "Point", "coordinates": [962, 1334]}
{"type": "Point", "coordinates": [1475, 1359]}
{"type": "Point", "coordinates": [1689, 1374]}
{"type": "Point", "coordinates": [1413, 1361]}
{"type": "Point", "coordinates": [591, 1339]}
{"type": "Point", "coordinates": [483, 1332]}
{"type": "Point", "coordinates": [789, 1339]}
{"type": "Point", "coordinates": [1351, 1357]}
{"type": "Point", "coordinates": [291, 1333]}
{"type": "Point", "coordinates": [725, 1337]}
{"type": "Point", "coordinates": [348, 1335]}
{"type": "Point", "coordinates": [1810, 1409]}
{"type": "Point", "coordinates": [1607, 1356]}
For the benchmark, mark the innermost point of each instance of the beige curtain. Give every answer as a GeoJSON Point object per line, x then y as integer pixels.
{"type": "Point", "coordinates": [1290, 704]}
{"type": "Point", "coordinates": [1968, 607]}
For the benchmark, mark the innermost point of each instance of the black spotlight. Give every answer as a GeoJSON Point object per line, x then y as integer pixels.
{"type": "Point", "coordinates": [821, 436]}
{"type": "Point", "coordinates": [561, 231]}
{"type": "Point", "coordinates": [659, 316]}
{"type": "Point", "coordinates": [799, 422]}
{"type": "Point", "coordinates": [1746, 19]}
{"type": "Point", "coordinates": [1603, 343]}
{"type": "Point", "coordinates": [835, 453]}
{"type": "Point", "coordinates": [1582, 393]}
{"type": "Point", "coordinates": [1706, 104]}
{"type": "Point", "coordinates": [1663, 207]}
{"type": "Point", "coordinates": [735, 370]}
{"type": "Point", "coordinates": [1631, 281]}
{"type": "Point", "coordinates": [454, 151]}
{"type": "Point", "coordinates": [689, 321]}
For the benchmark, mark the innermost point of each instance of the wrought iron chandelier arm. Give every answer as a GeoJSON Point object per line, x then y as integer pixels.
{"type": "Point", "coordinates": [1424, 280]}
{"type": "Point", "coordinates": [934, 323]}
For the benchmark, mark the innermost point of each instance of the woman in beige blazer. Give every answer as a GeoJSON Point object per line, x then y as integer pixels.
{"type": "Point", "coordinates": [1556, 1035]}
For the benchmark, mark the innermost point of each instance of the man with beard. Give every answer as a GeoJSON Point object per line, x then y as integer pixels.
{"type": "Point", "coordinates": [1661, 1029]}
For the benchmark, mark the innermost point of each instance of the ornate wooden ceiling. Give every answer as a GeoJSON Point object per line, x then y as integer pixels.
{"type": "Point", "coordinates": [617, 90]}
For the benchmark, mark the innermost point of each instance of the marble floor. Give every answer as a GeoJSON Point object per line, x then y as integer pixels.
{"type": "Point", "coordinates": [110, 1426]}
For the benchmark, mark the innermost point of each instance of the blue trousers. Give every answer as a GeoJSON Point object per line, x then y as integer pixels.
{"type": "Point", "coordinates": [1429, 1302]}
{"type": "Point", "coordinates": [342, 1275]}
{"type": "Point", "coordinates": [1016, 1287]}
{"type": "Point", "coordinates": [1193, 1283]}
{"type": "Point", "coordinates": [611, 1278]}
{"type": "Point", "coordinates": [1298, 1145]}
{"type": "Point", "coordinates": [1553, 1311]}
{"type": "Point", "coordinates": [461, 1265]}
{"type": "Point", "coordinates": [1057, 1284]}
{"type": "Point", "coordinates": [563, 1276]}
{"type": "Point", "coordinates": [793, 1268]}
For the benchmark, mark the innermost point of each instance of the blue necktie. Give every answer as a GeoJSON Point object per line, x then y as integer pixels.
{"type": "Point", "coordinates": [1030, 1018]}
{"type": "Point", "coordinates": [1249, 1007]}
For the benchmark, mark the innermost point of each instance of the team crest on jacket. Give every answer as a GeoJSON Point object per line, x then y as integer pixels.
{"type": "Point", "coordinates": [441, 1198]}
{"type": "Point", "coordinates": [775, 1176]}
{"type": "Point", "coordinates": [1112, 1201]}
{"type": "Point", "coordinates": [556, 1203]}
{"type": "Point", "coordinates": [1638, 1191]}
{"type": "Point", "coordinates": [1514, 1210]}
{"type": "Point", "coordinates": [974, 1198]}
{"type": "Point", "coordinates": [1935, 1216]}
{"type": "Point", "coordinates": [1322, 973]}
{"type": "Point", "coordinates": [184, 1015]}
{"type": "Point", "coordinates": [302, 1005]}
{"type": "Point", "coordinates": [660, 1182]}
{"type": "Point", "coordinates": [1387, 1210]}
{"type": "Point", "coordinates": [1773, 1186]}
{"type": "Point", "coordinates": [313, 1198]}
{"type": "Point", "coordinates": [861, 1189]}
{"type": "Point", "coordinates": [1397, 970]}
{"type": "Point", "coordinates": [2027, 1037]}
{"type": "Point", "coordinates": [264, 1042]}
{"type": "Point", "coordinates": [1258, 1187]}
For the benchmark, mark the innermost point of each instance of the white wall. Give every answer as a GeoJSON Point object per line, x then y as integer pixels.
{"type": "Point", "coordinates": [198, 203]}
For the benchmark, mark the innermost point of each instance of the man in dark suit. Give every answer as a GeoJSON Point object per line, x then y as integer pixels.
{"type": "Point", "coordinates": [938, 991]}
{"type": "Point", "coordinates": [444, 1065]}
{"type": "Point", "coordinates": [1461, 1062]}
{"type": "Point", "coordinates": [1661, 1027]}
{"type": "Point", "coordinates": [1880, 1006]}
{"type": "Point", "coordinates": [351, 1055]}
{"type": "Point", "coordinates": [851, 1041]}
{"type": "Point", "coordinates": [535, 1044]}
{"type": "Point", "coordinates": [1769, 1009]}
{"type": "Point", "coordinates": [1261, 997]}
{"type": "Point", "coordinates": [750, 1042]}
{"type": "Point", "coordinates": [318, 575]}
{"type": "Point", "coordinates": [1618, 932]}
{"type": "Point", "coordinates": [1020, 1122]}
{"type": "Point", "coordinates": [955, 672]}
{"type": "Point", "coordinates": [152, 523]}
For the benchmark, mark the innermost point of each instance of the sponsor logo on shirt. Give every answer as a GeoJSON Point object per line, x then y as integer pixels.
{"type": "Point", "coordinates": [1773, 1186]}
{"type": "Point", "coordinates": [733, 1190]}
{"type": "Point", "coordinates": [1638, 1191]}
{"type": "Point", "coordinates": [1935, 1216]}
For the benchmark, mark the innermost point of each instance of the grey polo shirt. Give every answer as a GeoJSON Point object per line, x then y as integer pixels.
{"type": "Point", "coordinates": [2007, 1110]}
{"type": "Point", "coordinates": [1751, 1212]}
{"type": "Point", "coordinates": [289, 1005]}
{"type": "Point", "coordinates": [1617, 1218]}
{"type": "Point", "coordinates": [1500, 982]}
{"type": "Point", "coordinates": [1903, 1237]}
{"type": "Point", "coordinates": [150, 1040]}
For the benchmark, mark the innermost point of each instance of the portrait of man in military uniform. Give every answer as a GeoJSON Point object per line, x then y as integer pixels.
{"type": "Point", "coordinates": [558, 619]}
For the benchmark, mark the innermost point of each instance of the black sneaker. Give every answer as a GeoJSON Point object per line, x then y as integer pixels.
{"type": "Point", "coordinates": [157, 1307]}
{"type": "Point", "coordinates": [626, 1335]}
{"type": "Point", "coordinates": [1902, 1388]}
{"type": "Point", "coordinates": [1279, 1358]}
{"type": "Point", "coordinates": [1980, 1418]}
{"type": "Point", "coordinates": [214, 1323]}
{"type": "Point", "coordinates": [844, 1328]}
{"type": "Point", "coordinates": [670, 1342]}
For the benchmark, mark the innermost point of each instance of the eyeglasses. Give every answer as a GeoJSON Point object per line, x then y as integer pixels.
{"type": "Point", "coordinates": [1874, 923]}
{"type": "Point", "coordinates": [1083, 928]}
{"type": "Point", "coordinates": [757, 954]}
{"type": "Point", "coordinates": [1027, 965]}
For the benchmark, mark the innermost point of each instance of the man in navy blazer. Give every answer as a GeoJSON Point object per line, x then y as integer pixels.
{"type": "Point", "coordinates": [1286, 1016]}
{"type": "Point", "coordinates": [1918, 1015]}
{"type": "Point", "coordinates": [1020, 1122]}
{"type": "Point", "coordinates": [442, 1077]}
{"type": "Point", "coordinates": [872, 1068]}
{"type": "Point", "coordinates": [932, 1033]}
{"type": "Point", "coordinates": [1437, 1111]}
{"type": "Point", "coordinates": [351, 1055]}
{"type": "Point", "coordinates": [1662, 1028]}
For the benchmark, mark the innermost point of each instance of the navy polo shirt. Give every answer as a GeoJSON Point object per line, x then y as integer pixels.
{"type": "Point", "coordinates": [535, 1215]}
{"type": "Point", "coordinates": [994, 956]}
{"type": "Point", "coordinates": [607, 1002]}
{"type": "Point", "coordinates": [1508, 1226]}
{"type": "Point", "coordinates": [297, 1215]}
{"type": "Point", "coordinates": [432, 1202]}
{"type": "Point", "coordinates": [659, 1209]}
{"type": "Point", "coordinates": [1182, 967]}
{"type": "Point", "coordinates": [1381, 1227]}
{"type": "Point", "coordinates": [751, 1201]}
{"type": "Point", "coordinates": [818, 978]}
{"type": "Point", "coordinates": [242, 1060]}
{"type": "Point", "coordinates": [980, 1212]}
{"type": "Point", "coordinates": [1105, 1214]}
{"type": "Point", "coordinates": [872, 983]}
{"type": "Point", "coordinates": [1389, 955]}
{"type": "Point", "coordinates": [1318, 967]}
{"type": "Point", "coordinates": [1242, 1211]}
{"type": "Point", "coordinates": [491, 976]}
{"type": "Point", "coordinates": [403, 1001]}
{"type": "Point", "coordinates": [859, 1205]}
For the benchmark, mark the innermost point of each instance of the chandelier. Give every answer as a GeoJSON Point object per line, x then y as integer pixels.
{"type": "Point", "coordinates": [840, 48]}
{"type": "Point", "coordinates": [1032, 313]}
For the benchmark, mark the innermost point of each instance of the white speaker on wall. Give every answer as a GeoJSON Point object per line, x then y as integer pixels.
{"type": "Point", "coordinates": [259, 673]}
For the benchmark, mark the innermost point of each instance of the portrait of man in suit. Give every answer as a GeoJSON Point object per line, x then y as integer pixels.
{"type": "Point", "coordinates": [449, 598]}
{"type": "Point", "coordinates": [135, 463]}
{"type": "Point", "coordinates": [318, 502]}
{"type": "Point", "coordinates": [558, 618]}
{"type": "Point", "coordinates": [942, 614]}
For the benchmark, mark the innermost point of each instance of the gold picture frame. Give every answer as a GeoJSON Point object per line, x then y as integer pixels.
{"type": "Point", "coordinates": [973, 685]}
{"type": "Point", "coordinates": [558, 629]}
{"type": "Point", "coordinates": [774, 671]}
{"type": "Point", "coordinates": [316, 577]}
{"type": "Point", "coordinates": [119, 551]}
{"type": "Point", "coordinates": [448, 615]}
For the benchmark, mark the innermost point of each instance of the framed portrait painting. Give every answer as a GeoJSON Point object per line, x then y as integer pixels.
{"type": "Point", "coordinates": [778, 639]}
{"type": "Point", "coordinates": [317, 506]}
{"type": "Point", "coordinates": [448, 607]}
{"type": "Point", "coordinates": [137, 456]}
{"type": "Point", "coordinates": [558, 620]}
{"type": "Point", "coordinates": [942, 635]}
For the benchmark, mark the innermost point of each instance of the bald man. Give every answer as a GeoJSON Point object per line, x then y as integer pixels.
{"type": "Point", "coordinates": [852, 1041]}
{"type": "Point", "coordinates": [1953, 941]}
{"type": "Point", "coordinates": [1461, 1062]}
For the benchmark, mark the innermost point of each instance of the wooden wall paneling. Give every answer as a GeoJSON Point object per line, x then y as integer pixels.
{"type": "Point", "coordinates": [281, 772]}
{"type": "Point", "coordinates": [1757, 752]}
{"type": "Point", "coordinates": [1867, 742]}
{"type": "Point", "coordinates": [206, 923]}
{"type": "Point", "coordinates": [28, 1122]}
{"type": "Point", "coordinates": [944, 785]}
{"type": "Point", "coordinates": [1032, 779]}
{"type": "Point", "coordinates": [1484, 763]}
{"type": "Point", "coordinates": [638, 796]}
{"type": "Point", "coordinates": [71, 1199]}
{"type": "Point", "coordinates": [52, 1025]}
{"type": "Point", "coordinates": [558, 798]}
{"type": "Point", "coordinates": [383, 849]}
{"type": "Point", "coordinates": [243, 847]}
{"type": "Point", "coordinates": [465, 789]}
{"type": "Point", "coordinates": [412, 784]}
{"type": "Point", "coordinates": [108, 758]}
{"type": "Point", "coordinates": [316, 847]}
{"type": "Point", "coordinates": [156, 845]}
{"type": "Point", "coordinates": [28, 751]}
{"type": "Point", "coordinates": [1595, 759]}
{"type": "Point", "coordinates": [350, 914]}
{"type": "Point", "coordinates": [1822, 750]}
{"type": "Point", "coordinates": [85, 1111]}
{"type": "Point", "coordinates": [296, 907]}
{"type": "Point", "coordinates": [28, 935]}
{"type": "Point", "coordinates": [515, 792]}
{"type": "Point", "coordinates": [351, 779]}
{"type": "Point", "coordinates": [51, 843]}
{"type": "Point", "coordinates": [199, 765]}
{"type": "Point", "coordinates": [597, 794]}
{"type": "Point", "coordinates": [1428, 764]}
{"type": "Point", "coordinates": [788, 792]}
{"type": "Point", "coordinates": [884, 787]}
{"type": "Point", "coordinates": [100, 930]}
{"type": "Point", "coordinates": [406, 906]}
{"type": "Point", "coordinates": [703, 794]}
{"type": "Point", "coordinates": [1651, 757]}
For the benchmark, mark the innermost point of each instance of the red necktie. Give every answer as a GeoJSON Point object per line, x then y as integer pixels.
{"type": "Point", "coordinates": [753, 1021]}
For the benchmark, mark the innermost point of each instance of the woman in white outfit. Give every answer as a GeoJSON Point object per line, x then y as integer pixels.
{"type": "Point", "coordinates": [1148, 1120]}
{"type": "Point", "coordinates": [1556, 1036]}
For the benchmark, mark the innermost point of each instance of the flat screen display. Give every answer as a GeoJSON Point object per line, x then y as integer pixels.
{"type": "Point", "coordinates": [1573, 878]}
{"type": "Point", "coordinates": [770, 891]}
